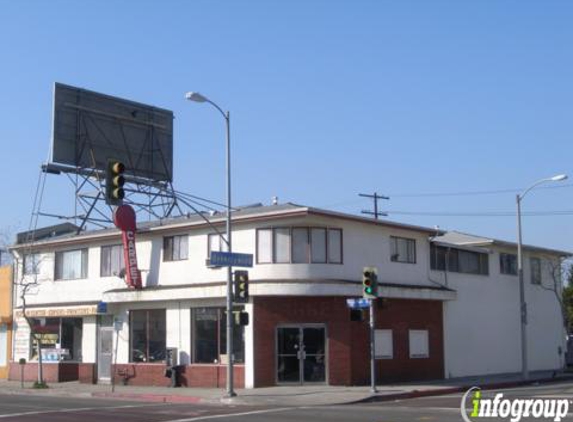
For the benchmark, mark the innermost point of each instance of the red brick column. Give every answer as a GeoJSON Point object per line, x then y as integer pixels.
{"type": "Point", "coordinates": [87, 373]}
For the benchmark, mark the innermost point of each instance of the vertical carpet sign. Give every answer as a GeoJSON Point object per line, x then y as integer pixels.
{"type": "Point", "coordinates": [124, 219]}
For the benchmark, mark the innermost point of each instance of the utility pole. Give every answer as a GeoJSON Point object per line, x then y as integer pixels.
{"type": "Point", "coordinates": [375, 197]}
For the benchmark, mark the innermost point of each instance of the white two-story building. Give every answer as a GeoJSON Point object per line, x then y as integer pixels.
{"type": "Point", "coordinates": [448, 307]}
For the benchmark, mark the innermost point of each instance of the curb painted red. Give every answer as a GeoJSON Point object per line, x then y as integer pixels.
{"type": "Point", "coordinates": [451, 390]}
{"type": "Point", "coordinates": [154, 398]}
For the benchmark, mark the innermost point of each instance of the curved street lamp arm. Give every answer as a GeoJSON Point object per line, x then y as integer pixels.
{"type": "Point", "coordinates": [539, 182]}
{"type": "Point", "coordinates": [217, 107]}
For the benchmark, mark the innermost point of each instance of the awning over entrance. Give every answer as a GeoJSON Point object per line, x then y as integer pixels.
{"type": "Point", "coordinates": [315, 287]}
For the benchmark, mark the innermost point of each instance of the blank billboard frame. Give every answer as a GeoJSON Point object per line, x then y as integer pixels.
{"type": "Point", "coordinates": [90, 128]}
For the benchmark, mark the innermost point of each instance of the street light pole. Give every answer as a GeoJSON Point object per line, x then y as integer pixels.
{"type": "Point", "coordinates": [522, 302]}
{"type": "Point", "coordinates": [230, 375]}
{"type": "Point", "coordinates": [195, 96]}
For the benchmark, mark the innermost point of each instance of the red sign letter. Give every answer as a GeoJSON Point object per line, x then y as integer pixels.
{"type": "Point", "coordinates": [124, 219]}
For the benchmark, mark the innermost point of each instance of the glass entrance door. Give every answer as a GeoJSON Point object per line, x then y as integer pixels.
{"type": "Point", "coordinates": [301, 354]}
{"type": "Point", "coordinates": [104, 348]}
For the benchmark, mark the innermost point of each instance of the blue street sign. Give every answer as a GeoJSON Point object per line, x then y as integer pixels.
{"type": "Point", "coordinates": [359, 303]}
{"type": "Point", "coordinates": [102, 308]}
{"type": "Point", "coordinates": [228, 259]}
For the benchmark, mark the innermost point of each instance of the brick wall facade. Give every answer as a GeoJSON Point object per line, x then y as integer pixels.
{"type": "Point", "coordinates": [214, 376]}
{"type": "Point", "coordinates": [51, 372]}
{"type": "Point", "coordinates": [87, 373]}
{"type": "Point", "coordinates": [348, 342]}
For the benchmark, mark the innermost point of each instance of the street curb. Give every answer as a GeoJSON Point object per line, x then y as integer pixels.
{"type": "Point", "coordinates": [451, 390]}
{"type": "Point", "coordinates": [381, 397]}
{"type": "Point", "coordinates": [153, 398]}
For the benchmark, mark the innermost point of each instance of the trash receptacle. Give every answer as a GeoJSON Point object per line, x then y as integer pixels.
{"type": "Point", "coordinates": [175, 373]}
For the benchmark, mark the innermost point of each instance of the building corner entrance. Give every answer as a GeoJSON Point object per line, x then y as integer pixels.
{"type": "Point", "coordinates": [301, 354]}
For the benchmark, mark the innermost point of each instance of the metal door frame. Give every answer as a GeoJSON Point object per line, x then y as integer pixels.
{"type": "Point", "coordinates": [99, 327]}
{"type": "Point", "coordinates": [301, 328]}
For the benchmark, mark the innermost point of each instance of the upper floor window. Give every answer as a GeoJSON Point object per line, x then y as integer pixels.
{"type": "Point", "coordinates": [458, 260]}
{"type": "Point", "coordinates": [402, 250]}
{"type": "Point", "coordinates": [32, 264]}
{"type": "Point", "coordinates": [535, 265]}
{"type": "Point", "coordinates": [175, 248]}
{"type": "Point", "coordinates": [508, 263]}
{"type": "Point", "coordinates": [112, 261]}
{"type": "Point", "coordinates": [71, 264]}
{"type": "Point", "coordinates": [215, 243]}
{"type": "Point", "coordinates": [317, 245]}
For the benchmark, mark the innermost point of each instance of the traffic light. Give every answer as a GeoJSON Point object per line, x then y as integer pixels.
{"type": "Point", "coordinates": [114, 181]}
{"type": "Point", "coordinates": [356, 315]}
{"type": "Point", "coordinates": [369, 283]}
{"type": "Point", "coordinates": [241, 318]}
{"type": "Point", "coordinates": [241, 287]}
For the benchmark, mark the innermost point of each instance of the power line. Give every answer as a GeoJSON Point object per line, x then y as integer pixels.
{"type": "Point", "coordinates": [477, 192]}
{"type": "Point", "coordinates": [484, 214]}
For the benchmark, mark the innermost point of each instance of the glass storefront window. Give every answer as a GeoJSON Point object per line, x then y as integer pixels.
{"type": "Point", "coordinates": [148, 335]}
{"type": "Point", "coordinates": [60, 339]}
{"type": "Point", "coordinates": [206, 335]}
{"type": "Point", "coordinates": [209, 336]}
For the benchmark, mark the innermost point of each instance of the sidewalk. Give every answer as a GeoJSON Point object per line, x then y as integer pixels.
{"type": "Point", "coordinates": [283, 395]}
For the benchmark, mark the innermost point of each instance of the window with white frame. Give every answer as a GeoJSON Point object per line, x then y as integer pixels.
{"type": "Point", "coordinates": [419, 345]}
{"type": "Point", "coordinates": [112, 260]}
{"type": "Point", "coordinates": [535, 268]}
{"type": "Point", "coordinates": [444, 258]}
{"type": "Point", "coordinates": [318, 245]}
{"type": "Point", "coordinates": [508, 263]}
{"type": "Point", "coordinates": [402, 250]}
{"type": "Point", "coordinates": [71, 264]}
{"type": "Point", "coordinates": [264, 246]}
{"type": "Point", "coordinates": [384, 344]}
{"type": "Point", "coordinates": [299, 245]}
{"type": "Point", "coordinates": [281, 243]}
{"type": "Point", "coordinates": [32, 264]}
{"type": "Point", "coordinates": [215, 243]}
{"type": "Point", "coordinates": [175, 248]}
{"type": "Point", "coordinates": [335, 246]}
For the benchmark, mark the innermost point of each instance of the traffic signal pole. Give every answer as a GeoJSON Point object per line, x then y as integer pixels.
{"type": "Point", "coordinates": [370, 292]}
{"type": "Point", "coordinates": [372, 347]}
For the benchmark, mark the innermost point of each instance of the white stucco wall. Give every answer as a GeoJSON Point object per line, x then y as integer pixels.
{"type": "Point", "coordinates": [89, 339]}
{"type": "Point", "coordinates": [482, 326]}
{"type": "Point", "coordinates": [363, 245]}
{"type": "Point", "coordinates": [481, 318]}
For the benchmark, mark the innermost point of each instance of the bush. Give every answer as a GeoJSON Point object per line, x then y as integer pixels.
{"type": "Point", "coordinates": [40, 385]}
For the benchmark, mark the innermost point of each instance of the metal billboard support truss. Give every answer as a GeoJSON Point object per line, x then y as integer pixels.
{"type": "Point", "coordinates": [150, 199]}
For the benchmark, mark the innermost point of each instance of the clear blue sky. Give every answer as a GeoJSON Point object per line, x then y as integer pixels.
{"type": "Point", "coordinates": [328, 99]}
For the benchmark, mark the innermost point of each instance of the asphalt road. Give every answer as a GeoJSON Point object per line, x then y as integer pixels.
{"type": "Point", "coordinates": [439, 409]}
